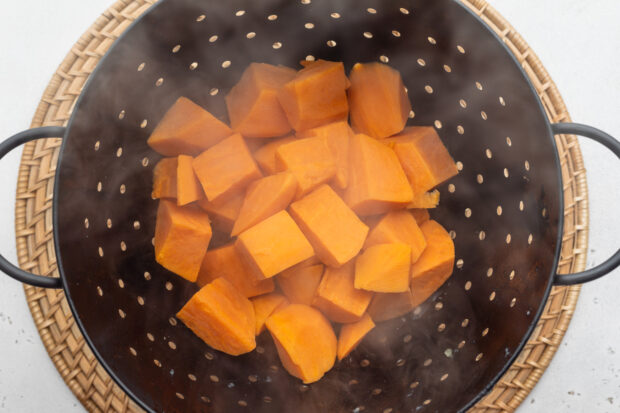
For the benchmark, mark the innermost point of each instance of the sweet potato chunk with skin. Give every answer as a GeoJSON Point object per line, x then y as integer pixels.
{"type": "Point", "coordinates": [398, 226]}
{"type": "Point", "coordinates": [379, 103]}
{"type": "Point", "coordinates": [384, 268]}
{"type": "Point", "coordinates": [274, 245]}
{"type": "Point", "coordinates": [426, 200]}
{"type": "Point", "coordinates": [221, 317]}
{"type": "Point", "coordinates": [226, 262]}
{"type": "Point", "coordinates": [253, 105]}
{"type": "Point", "coordinates": [424, 158]}
{"type": "Point", "coordinates": [305, 341]}
{"type": "Point", "coordinates": [182, 236]}
{"type": "Point", "coordinates": [435, 264]}
{"type": "Point", "coordinates": [332, 228]}
{"type": "Point", "coordinates": [188, 187]}
{"type": "Point", "coordinates": [337, 135]}
{"type": "Point", "coordinates": [316, 96]}
{"type": "Point", "coordinates": [264, 198]}
{"type": "Point", "coordinates": [224, 213]}
{"type": "Point", "coordinates": [264, 306]}
{"type": "Point", "coordinates": [265, 156]}
{"type": "Point", "coordinates": [300, 285]}
{"type": "Point", "coordinates": [309, 160]}
{"type": "Point", "coordinates": [187, 129]}
{"type": "Point", "coordinates": [165, 179]}
{"type": "Point", "coordinates": [385, 306]}
{"type": "Point", "coordinates": [225, 168]}
{"type": "Point", "coordinates": [352, 334]}
{"type": "Point", "coordinates": [420, 214]}
{"type": "Point", "coordinates": [337, 298]}
{"type": "Point", "coordinates": [377, 182]}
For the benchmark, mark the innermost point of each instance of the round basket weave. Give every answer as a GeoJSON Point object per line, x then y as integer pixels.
{"type": "Point", "coordinates": [35, 245]}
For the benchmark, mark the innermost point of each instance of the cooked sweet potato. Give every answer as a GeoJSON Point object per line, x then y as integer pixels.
{"type": "Point", "coordinates": [379, 103]}
{"type": "Point", "coordinates": [182, 236]}
{"type": "Point", "coordinates": [187, 129]}
{"type": "Point", "coordinates": [300, 285]}
{"type": "Point", "coordinates": [265, 156]}
{"type": "Point", "coordinates": [253, 105]}
{"type": "Point", "coordinates": [165, 179]}
{"type": "Point", "coordinates": [305, 341]}
{"type": "Point", "coordinates": [264, 306]}
{"type": "Point", "coordinates": [352, 334]}
{"type": "Point", "coordinates": [224, 213]}
{"type": "Point", "coordinates": [221, 317]}
{"type": "Point", "coordinates": [420, 214]}
{"type": "Point", "coordinates": [188, 187]}
{"type": "Point", "coordinates": [398, 226]}
{"type": "Point", "coordinates": [385, 306]}
{"type": "Point", "coordinates": [425, 200]}
{"type": "Point", "coordinates": [384, 268]}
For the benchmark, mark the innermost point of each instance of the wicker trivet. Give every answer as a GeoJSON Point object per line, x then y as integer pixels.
{"type": "Point", "coordinates": [33, 221]}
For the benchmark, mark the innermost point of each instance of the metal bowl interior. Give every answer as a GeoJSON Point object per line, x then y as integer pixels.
{"type": "Point", "coordinates": [503, 209]}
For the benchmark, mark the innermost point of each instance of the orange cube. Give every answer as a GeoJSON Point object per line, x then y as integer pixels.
{"type": "Point", "coordinates": [377, 182]}
{"type": "Point", "coordinates": [188, 187]}
{"type": "Point", "coordinates": [379, 102]}
{"type": "Point", "coordinates": [420, 215]}
{"type": "Point", "coordinates": [226, 262]}
{"type": "Point", "coordinates": [385, 306]}
{"type": "Point", "coordinates": [337, 297]}
{"type": "Point", "coordinates": [187, 129]}
{"type": "Point", "coordinates": [165, 179]}
{"type": "Point", "coordinates": [221, 317]}
{"type": "Point", "coordinates": [426, 200]}
{"type": "Point", "coordinates": [274, 245]}
{"type": "Point", "coordinates": [225, 168]}
{"type": "Point", "coordinates": [264, 198]}
{"type": "Point", "coordinates": [352, 334]}
{"type": "Point", "coordinates": [337, 135]}
{"type": "Point", "coordinates": [384, 268]}
{"type": "Point", "coordinates": [335, 232]}
{"type": "Point", "coordinates": [265, 156]}
{"type": "Point", "coordinates": [424, 158]}
{"type": "Point", "coordinates": [398, 226]}
{"type": "Point", "coordinates": [182, 236]}
{"type": "Point", "coordinates": [316, 96]}
{"type": "Point", "coordinates": [310, 160]}
{"type": "Point", "coordinates": [253, 105]}
{"type": "Point", "coordinates": [224, 213]}
{"type": "Point", "coordinates": [264, 306]}
{"type": "Point", "coordinates": [435, 264]}
{"type": "Point", "coordinates": [300, 285]}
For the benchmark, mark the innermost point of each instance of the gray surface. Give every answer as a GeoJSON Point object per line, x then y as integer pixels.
{"type": "Point", "coordinates": [578, 41]}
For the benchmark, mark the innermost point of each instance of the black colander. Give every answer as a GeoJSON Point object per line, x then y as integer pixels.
{"type": "Point", "coordinates": [504, 210]}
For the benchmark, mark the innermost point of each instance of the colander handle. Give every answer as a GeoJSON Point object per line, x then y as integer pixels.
{"type": "Point", "coordinates": [614, 145]}
{"type": "Point", "coordinates": [6, 147]}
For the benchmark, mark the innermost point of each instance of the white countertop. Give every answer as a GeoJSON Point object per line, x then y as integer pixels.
{"type": "Point", "coordinates": [577, 40]}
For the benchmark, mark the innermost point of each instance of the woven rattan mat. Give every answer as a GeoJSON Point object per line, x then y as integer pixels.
{"type": "Point", "coordinates": [35, 245]}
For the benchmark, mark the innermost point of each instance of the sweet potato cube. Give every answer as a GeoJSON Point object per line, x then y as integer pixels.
{"type": "Point", "coordinates": [305, 341]}
{"type": "Point", "coordinates": [165, 179]}
{"type": "Point", "coordinates": [225, 168]}
{"type": "Point", "coordinates": [182, 236]}
{"type": "Point", "coordinates": [253, 105]}
{"type": "Point", "coordinates": [333, 229]}
{"type": "Point", "coordinates": [352, 334]}
{"type": "Point", "coordinates": [265, 156]}
{"type": "Point", "coordinates": [188, 187]}
{"type": "Point", "coordinates": [435, 264]}
{"type": "Point", "coordinates": [264, 306]}
{"type": "Point", "coordinates": [377, 182]}
{"type": "Point", "coordinates": [337, 297]}
{"type": "Point", "coordinates": [273, 245]}
{"type": "Point", "coordinates": [310, 160]}
{"type": "Point", "coordinates": [187, 129]}
{"type": "Point", "coordinates": [264, 198]}
{"type": "Point", "coordinates": [226, 262]}
{"type": "Point", "coordinates": [224, 213]}
{"type": "Point", "coordinates": [420, 215]}
{"type": "Point", "coordinates": [398, 226]}
{"type": "Point", "coordinates": [300, 285]}
{"type": "Point", "coordinates": [221, 317]}
{"type": "Point", "coordinates": [384, 268]}
{"type": "Point", "coordinates": [424, 158]}
{"type": "Point", "coordinates": [425, 200]}
{"type": "Point", "coordinates": [385, 306]}
{"type": "Point", "coordinates": [378, 99]}
{"type": "Point", "coordinates": [337, 135]}
{"type": "Point", "coordinates": [316, 96]}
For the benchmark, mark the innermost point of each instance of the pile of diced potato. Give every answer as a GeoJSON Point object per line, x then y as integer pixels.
{"type": "Point", "coordinates": [328, 222]}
